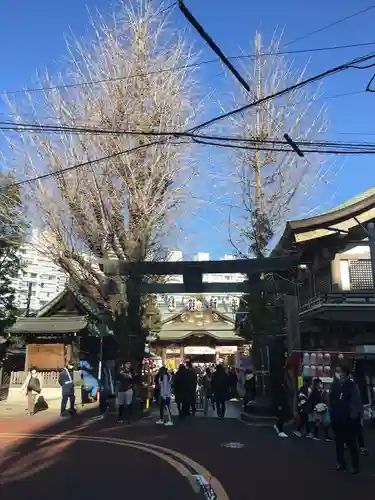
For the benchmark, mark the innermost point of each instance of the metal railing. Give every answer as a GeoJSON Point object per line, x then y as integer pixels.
{"type": "Point", "coordinates": [360, 297]}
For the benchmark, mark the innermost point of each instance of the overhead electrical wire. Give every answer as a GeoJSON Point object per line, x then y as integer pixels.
{"type": "Point", "coordinates": [73, 167]}
{"type": "Point", "coordinates": [322, 147]}
{"type": "Point", "coordinates": [180, 68]}
{"type": "Point", "coordinates": [313, 79]}
{"type": "Point", "coordinates": [33, 128]}
{"type": "Point", "coordinates": [331, 25]}
{"type": "Point", "coordinates": [209, 142]}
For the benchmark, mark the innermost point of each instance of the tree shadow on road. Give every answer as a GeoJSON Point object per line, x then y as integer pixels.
{"type": "Point", "coordinates": [53, 451]}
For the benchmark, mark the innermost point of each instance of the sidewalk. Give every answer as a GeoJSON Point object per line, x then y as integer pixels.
{"type": "Point", "coordinates": [11, 409]}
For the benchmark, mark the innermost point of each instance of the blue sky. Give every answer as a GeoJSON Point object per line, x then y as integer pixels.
{"type": "Point", "coordinates": [32, 38]}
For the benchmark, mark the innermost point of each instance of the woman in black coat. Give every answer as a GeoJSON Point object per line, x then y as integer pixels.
{"type": "Point", "coordinates": [220, 390]}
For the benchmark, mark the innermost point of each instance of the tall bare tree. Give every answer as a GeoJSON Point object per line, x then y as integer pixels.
{"type": "Point", "coordinates": [273, 184]}
{"type": "Point", "coordinates": [124, 206]}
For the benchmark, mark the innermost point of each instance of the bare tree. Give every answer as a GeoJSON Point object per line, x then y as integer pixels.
{"type": "Point", "coordinates": [273, 184]}
{"type": "Point", "coordinates": [124, 206]}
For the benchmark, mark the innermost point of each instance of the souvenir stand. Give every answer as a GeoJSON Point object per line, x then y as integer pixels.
{"type": "Point", "coordinates": [318, 364]}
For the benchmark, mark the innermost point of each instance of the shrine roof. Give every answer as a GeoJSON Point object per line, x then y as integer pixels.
{"type": "Point", "coordinates": [45, 325]}
{"type": "Point", "coordinates": [338, 220]}
{"type": "Point", "coordinates": [221, 336]}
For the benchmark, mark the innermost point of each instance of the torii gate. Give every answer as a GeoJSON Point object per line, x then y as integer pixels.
{"type": "Point", "coordinates": [193, 271]}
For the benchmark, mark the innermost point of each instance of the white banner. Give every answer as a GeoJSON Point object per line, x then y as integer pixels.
{"type": "Point", "coordinates": [198, 350]}
{"type": "Point", "coordinates": [226, 349]}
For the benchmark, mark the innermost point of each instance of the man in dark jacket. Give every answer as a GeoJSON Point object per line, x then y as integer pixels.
{"type": "Point", "coordinates": [191, 388]}
{"type": "Point", "coordinates": [345, 410]}
{"type": "Point", "coordinates": [66, 380]}
{"type": "Point", "coordinates": [220, 390]}
{"type": "Point", "coordinates": [180, 390]}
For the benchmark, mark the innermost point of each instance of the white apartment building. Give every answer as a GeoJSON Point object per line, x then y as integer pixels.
{"type": "Point", "coordinates": [228, 301]}
{"type": "Point", "coordinates": [47, 280]}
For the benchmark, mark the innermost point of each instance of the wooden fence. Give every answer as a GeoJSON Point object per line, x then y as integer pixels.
{"type": "Point", "coordinates": [50, 379]}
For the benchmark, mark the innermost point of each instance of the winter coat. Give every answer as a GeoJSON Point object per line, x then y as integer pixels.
{"type": "Point", "coordinates": [66, 380]}
{"type": "Point", "coordinates": [303, 400]}
{"type": "Point", "coordinates": [25, 385]}
{"type": "Point", "coordinates": [165, 387]}
{"type": "Point", "coordinates": [220, 385]}
{"type": "Point", "coordinates": [180, 384]}
{"type": "Point", "coordinates": [345, 403]}
{"type": "Point", "coordinates": [124, 382]}
{"type": "Point", "coordinates": [191, 381]}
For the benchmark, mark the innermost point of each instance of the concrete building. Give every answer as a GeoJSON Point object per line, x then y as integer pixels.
{"type": "Point", "coordinates": [47, 280]}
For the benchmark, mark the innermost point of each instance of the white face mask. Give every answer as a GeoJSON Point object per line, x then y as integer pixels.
{"type": "Point", "coordinates": [33, 373]}
{"type": "Point", "coordinates": [70, 367]}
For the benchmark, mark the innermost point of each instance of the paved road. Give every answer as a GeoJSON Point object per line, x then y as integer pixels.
{"type": "Point", "coordinates": [94, 456]}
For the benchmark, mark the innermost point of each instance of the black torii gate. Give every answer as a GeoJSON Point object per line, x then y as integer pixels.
{"type": "Point", "coordinates": [193, 271]}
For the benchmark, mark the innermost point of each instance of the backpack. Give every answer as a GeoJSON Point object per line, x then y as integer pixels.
{"type": "Point", "coordinates": [34, 385]}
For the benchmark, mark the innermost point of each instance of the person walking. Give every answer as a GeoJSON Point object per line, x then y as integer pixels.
{"type": "Point", "coordinates": [125, 392]}
{"type": "Point", "coordinates": [360, 436]}
{"type": "Point", "coordinates": [66, 381]}
{"type": "Point", "coordinates": [220, 390]}
{"type": "Point", "coordinates": [207, 391]}
{"type": "Point", "coordinates": [250, 388]}
{"type": "Point", "coordinates": [165, 397]}
{"type": "Point", "coordinates": [281, 409]}
{"type": "Point", "coordinates": [232, 381]}
{"type": "Point", "coordinates": [32, 387]}
{"type": "Point", "coordinates": [191, 389]}
{"type": "Point", "coordinates": [303, 403]}
{"type": "Point", "coordinates": [345, 409]}
{"type": "Point", "coordinates": [179, 389]}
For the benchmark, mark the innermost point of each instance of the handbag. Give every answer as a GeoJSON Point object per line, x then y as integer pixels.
{"type": "Point", "coordinates": [40, 404]}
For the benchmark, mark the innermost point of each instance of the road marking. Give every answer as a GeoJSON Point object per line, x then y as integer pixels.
{"type": "Point", "coordinates": [207, 490]}
{"type": "Point", "coordinates": [233, 445]}
{"type": "Point", "coordinates": [177, 460]}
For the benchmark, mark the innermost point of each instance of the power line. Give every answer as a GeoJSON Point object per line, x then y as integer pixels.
{"type": "Point", "coordinates": [296, 86]}
{"type": "Point", "coordinates": [74, 167]}
{"type": "Point", "coordinates": [286, 150]}
{"type": "Point", "coordinates": [206, 37]}
{"type": "Point", "coordinates": [180, 68]}
{"type": "Point", "coordinates": [323, 147]}
{"type": "Point", "coordinates": [330, 25]}
{"type": "Point", "coordinates": [26, 127]}
{"type": "Point", "coordinates": [30, 127]}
